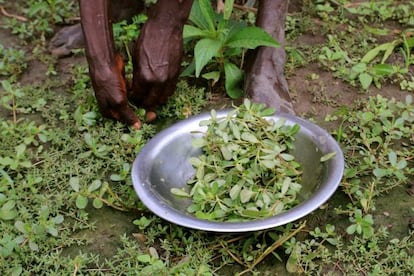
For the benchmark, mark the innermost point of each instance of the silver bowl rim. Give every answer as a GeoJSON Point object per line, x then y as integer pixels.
{"type": "Point", "coordinates": [153, 203]}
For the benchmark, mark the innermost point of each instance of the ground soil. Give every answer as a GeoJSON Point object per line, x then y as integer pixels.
{"type": "Point", "coordinates": [312, 98]}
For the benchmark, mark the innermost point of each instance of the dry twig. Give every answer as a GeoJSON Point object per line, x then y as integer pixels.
{"type": "Point", "coordinates": [18, 17]}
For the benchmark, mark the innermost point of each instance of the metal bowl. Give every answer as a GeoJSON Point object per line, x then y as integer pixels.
{"type": "Point", "coordinates": [163, 164]}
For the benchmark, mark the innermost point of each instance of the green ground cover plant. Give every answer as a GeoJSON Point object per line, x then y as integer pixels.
{"type": "Point", "coordinates": [221, 42]}
{"type": "Point", "coordinates": [372, 66]}
{"type": "Point", "coordinates": [67, 206]}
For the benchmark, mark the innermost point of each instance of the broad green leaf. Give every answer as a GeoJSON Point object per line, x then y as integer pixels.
{"type": "Point", "coordinates": [94, 185]}
{"type": "Point", "coordinates": [267, 112]}
{"type": "Point", "coordinates": [250, 38]}
{"type": "Point", "coordinates": [58, 219]}
{"type": "Point", "coordinates": [193, 208]}
{"type": "Point", "coordinates": [153, 252]}
{"type": "Point", "coordinates": [8, 211]}
{"type": "Point", "coordinates": [228, 8]}
{"type": "Point", "coordinates": [208, 13]}
{"type": "Point", "coordinates": [8, 214]}
{"type": "Point", "coordinates": [235, 191]}
{"type": "Point", "coordinates": [328, 156]}
{"type": "Point", "coordinates": [196, 162]}
{"type": "Point", "coordinates": [74, 183]}
{"type": "Point", "coordinates": [245, 195]}
{"type": "Point", "coordinates": [367, 116]}
{"type": "Point", "coordinates": [88, 139]}
{"type": "Point", "coordinates": [143, 222]}
{"type": "Point", "coordinates": [247, 136]}
{"type": "Point", "coordinates": [401, 164]}
{"type": "Point", "coordinates": [9, 205]}
{"type": "Point", "coordinates": [380, 172]}
{"type": "Point", "coordinates": [292, 262]}
{"type": "Point", "coordinates": [7, 86]}
{"type": "Point", "coordinates": [20, 149]}
{"type": "Point", "coordinates": [247, 103]}
{"type": "Point", "coordinates": [213, 75]}
{"type": "Point", "coordinates": [287, 157]}
{"type": "Point", "coordinates": [285, 185]}
{"type": "Point", "coordinates": [204, 51]}
{"type": "Point", "coordinates": [203, 15]}
{"type": "Point", "coordinates": [383, 69]}
{"type": "Point", "coordinates": [392, 156]}
{"type": "Point", "coordinates": [365, 79]}
{"type": "Point", "coordinates": [191, 32]}
{"type": "Point", "coordinates": [20, 226]}
{"type": "Point", "coordinates": [235, 130]}
{"type": "Point", "coordinates": [116, 177]}
{"type": "Point", "coordinates": [374, 52]}
{"type": "Point", "coordinates": [33, 246]}
{"type": "Point", "coordinates": [97, 203]}
{"type": "Point", "coordinates": [189, 70]}
{"type": "Point", "coordinates": [233, 80]}
{"type": "Point", "coordinates": [81, 202]}
{"type": "Point", "coordinates": [200, 172]}
{"type": "Point", "coordinates": [278, 208]}
{"type": "Point", "coordinates": [180, 192]}
{"type": "Point", "coordinates": [4, 175]}
{"type": "Point", "coordinates": [364, 202]}
{"type": "Point", "coordinates": [409, 42]}
{"type": "Point", "coordinates": [256, 213]}
{"type": "Point", "coordinates": [226, 152]}
{"type": "Point", "coordinates": [198, 142]}
{"type": "Point", "coordinates": [389, 50]}
{"type": "Point", "coordinates": [270, 164]}
{"type": "Point", "coordinates": [144, 258]}
{"type": "Point", "coordinates": [359, 68]}
{"type": "Point", "coordinates": [52, 231]}
{"type": "Point", "coordinates": [351, 229]}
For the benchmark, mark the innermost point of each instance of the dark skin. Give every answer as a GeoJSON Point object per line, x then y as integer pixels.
{"type": "Point", "coordinates": [156, 58]}
{"type": "Point", "coordinates": [158, 52]}
{"type": "Point", "coordinates": [105, 66]}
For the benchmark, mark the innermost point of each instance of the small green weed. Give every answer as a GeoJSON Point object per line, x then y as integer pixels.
{"type": "Point", "coordinates": [220, 41]}
{"type": "Point", "coordinates": [41, 15]}
{"type": "Point", "coordinates": [369, 63]}
{"type": "Point", "coordinates": [326, 252]}
{"type": "Point", "coordinates": [125, 33]}
{"type": "Point", "coordinates": [12, 61]}
{"type": "Point", "coordinates": [379, 148]}
{"type": "Point", "coordinates": [186, 101]}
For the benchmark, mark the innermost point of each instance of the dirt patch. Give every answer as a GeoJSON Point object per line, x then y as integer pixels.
{"type": "Point", "coordinates": [109, 225]}
{"type": "Point", "coordinates": [316, 93]}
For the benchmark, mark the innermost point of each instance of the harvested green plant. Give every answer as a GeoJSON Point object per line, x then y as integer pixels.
{"type": "Point", "coordinates": [245, 170]}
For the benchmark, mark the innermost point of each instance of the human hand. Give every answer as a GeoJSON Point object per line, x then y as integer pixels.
{"type": "Point", "coordinates": [111, 93]}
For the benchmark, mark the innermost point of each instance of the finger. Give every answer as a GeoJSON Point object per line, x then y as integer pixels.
{"type": "Point", "coordinates": [136, 126]}
{"type": "Point", "coordinates": [150, 116]}
{"type": "Point", "coordinates": [127, 116]}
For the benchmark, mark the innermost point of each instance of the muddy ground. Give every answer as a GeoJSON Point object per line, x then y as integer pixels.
{"type": "Point", "coordinates": [312, 98]}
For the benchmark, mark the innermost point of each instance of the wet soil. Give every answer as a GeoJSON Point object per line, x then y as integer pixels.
{"type": "Point", "coordinates": [313, 98]}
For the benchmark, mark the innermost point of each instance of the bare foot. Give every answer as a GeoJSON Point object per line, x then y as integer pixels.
{"type": "Point", "coordinates": [67, 39]}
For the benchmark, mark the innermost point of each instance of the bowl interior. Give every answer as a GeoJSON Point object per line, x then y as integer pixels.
{"type": "Point", "coordinates": [164, 164]}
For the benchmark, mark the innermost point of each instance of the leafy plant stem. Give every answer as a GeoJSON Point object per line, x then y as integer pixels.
{"type": "Point", "coordinates": [120, 208]}
{"type": "Point", "coordinates": [273, 247]}
{"type": "Point", "coordinates": [14, 109]}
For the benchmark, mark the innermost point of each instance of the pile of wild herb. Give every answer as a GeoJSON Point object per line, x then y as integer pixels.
{"type": "Point", "coordinates": [245, 171]}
